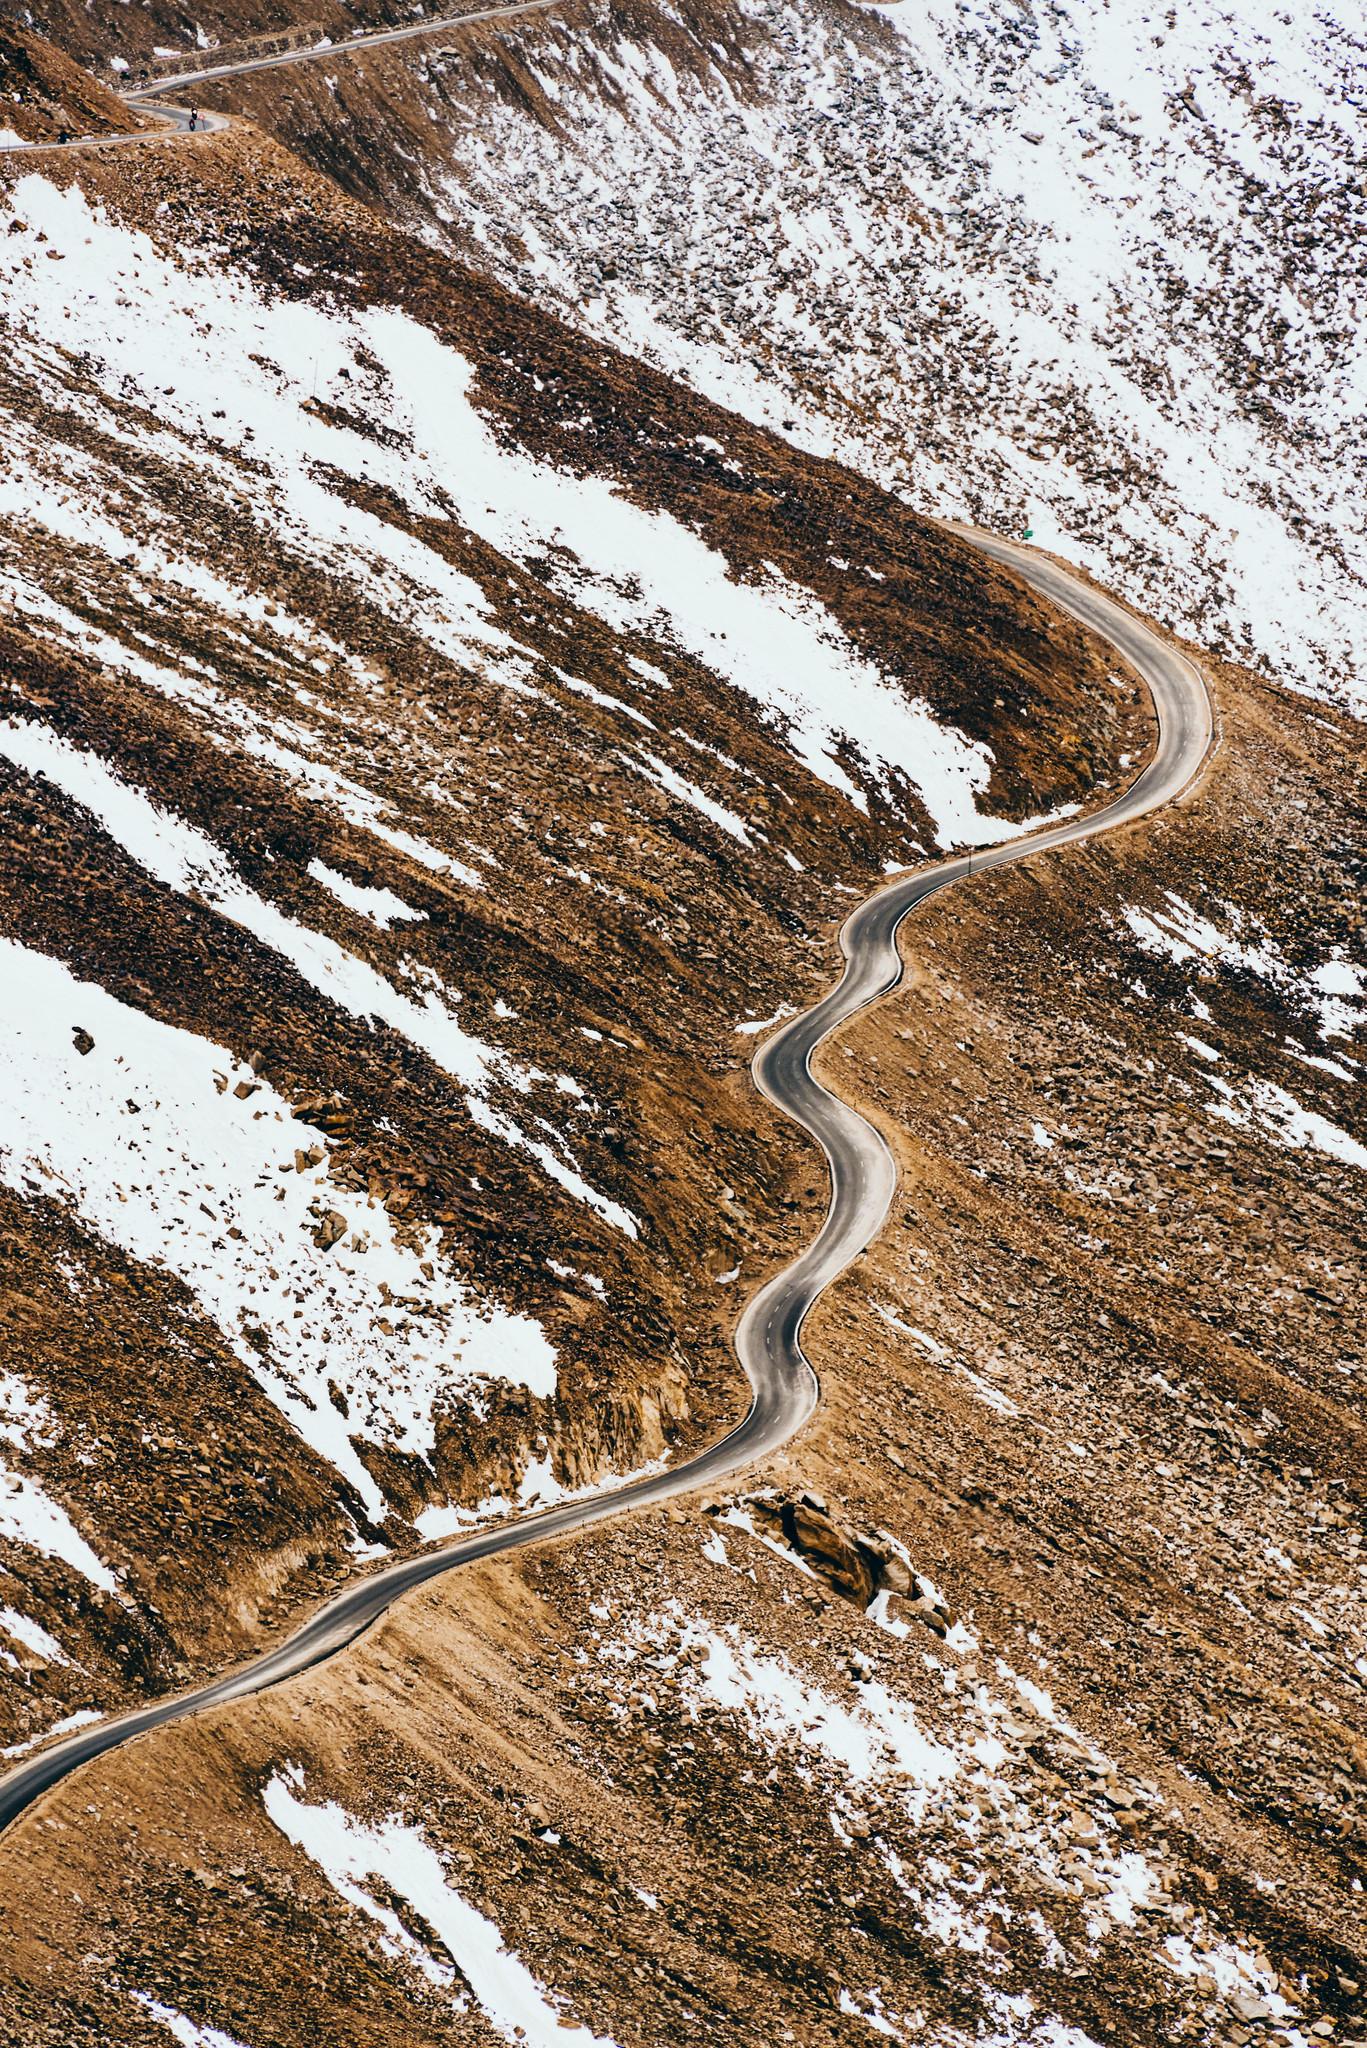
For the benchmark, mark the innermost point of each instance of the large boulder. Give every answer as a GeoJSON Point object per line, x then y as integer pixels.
{"type": "Point", "coordinates": [828, 1548]}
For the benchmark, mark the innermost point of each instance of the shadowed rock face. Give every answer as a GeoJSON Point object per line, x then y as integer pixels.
{"type": "Point", "coordinates": [838, 1557]}
{"type": "Point", "coordinates": [858, 1565]}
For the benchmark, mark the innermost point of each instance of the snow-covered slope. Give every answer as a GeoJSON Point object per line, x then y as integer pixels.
{"type": "Point", "coordinates": [423, 739]}
{"type": "Point", "coordinates": [1091, 268]}
{"type": "Point", "coordinates": [434, 744]}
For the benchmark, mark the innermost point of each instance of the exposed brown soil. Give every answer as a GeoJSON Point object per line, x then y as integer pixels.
{"type": "Point", "coordinates": [1114, 1453]}
{"type": "Point", "coordinates": [606, 909]}
{"type": "Point", "coordinates": [1100, 1382]}
{"type": "Point", "coordinates": [42, 91]}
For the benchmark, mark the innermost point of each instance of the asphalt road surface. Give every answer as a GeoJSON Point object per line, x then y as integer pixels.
{"type": "Point", "coordinates": [176, 120]}
{"type": "Point", "coordinates": [862, 1181]}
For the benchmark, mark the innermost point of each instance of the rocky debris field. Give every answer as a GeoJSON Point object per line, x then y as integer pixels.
{"type": "Point", "coordinates": [42, 92]}
{"type": "Point", "coordinates": [1094, 271]}
{"type": "Point", "coordinates": [1019, 1702]}
{"type": "Point", "coordinates": [104, 34]}
{"type": "Point", "coordinates": [435, 745]}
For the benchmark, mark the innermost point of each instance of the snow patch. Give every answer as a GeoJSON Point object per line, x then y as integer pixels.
{"type": "Point", "coordinates": [185, 2031]}
{"type": "Point", "coordinates": [381, 906]}
{"type": "Point", "coordinates": [28, 1515]}
{"type": "Point", "coordinates": [181, 857]}
{"type": "Point", "coordinates": [153, 1148]}
{"type": "Point", "coordinates": [643, 573]}
{"type": "Point", "coordinates": [355, 1857]}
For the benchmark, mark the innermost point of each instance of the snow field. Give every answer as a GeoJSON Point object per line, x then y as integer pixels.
{"type": "Point", "coordinates": [353, 1855]}
{"type": "Point", "coordinates": [284, 742]}
{"type": "Point", "coordinates": [641, 572]}
{"type": "Point", "coordinates": [183, 2030]}
{"type": "Point", "coordinates": [181, 857]}
{"type": "Point", "coordinates": [1328, 995]}
{"type": "Point", "coordinates": [148, 1141]}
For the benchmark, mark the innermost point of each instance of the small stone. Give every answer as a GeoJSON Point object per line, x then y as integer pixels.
{"type": "Point", "coordinates": [332, 1227]}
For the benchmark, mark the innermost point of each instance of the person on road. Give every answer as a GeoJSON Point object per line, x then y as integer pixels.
{"type": "Point", "coordinates": [63, 135]}
{"type": "Point", "coordinates": [194, 122]}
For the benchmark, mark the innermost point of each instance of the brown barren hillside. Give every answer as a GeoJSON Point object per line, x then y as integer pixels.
{"type": "Point", "coordinates": [42, 92]}
{"type": "Point", "coordinates": [438, 743]}
{"type": "Point", "coordinates": [601, 844]}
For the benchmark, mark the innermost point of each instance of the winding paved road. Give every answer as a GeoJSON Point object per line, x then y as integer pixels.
{"type": "Point", "coordinates": [863, 1176]}
{"type": "Point", "coordinates": [178, 120]}
{"type": "Point", "coordinates": [862, 1181]}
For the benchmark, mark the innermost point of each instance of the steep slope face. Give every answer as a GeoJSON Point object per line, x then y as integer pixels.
{"type": "Point", "coordinates": [749, 1770]}
{"type": "Point", "coordinates": [42, 92]}
{"type": "Point", "coordinates": [1094, 270]}
{"type": "Point", "coordinates": [433, 745]}
{"type": "Point", "coordinates": [427, 739]}
{"type": "Point", "coordinates": [105, 35]}
{"type": "Point", "coordinates": [1019, 1703]}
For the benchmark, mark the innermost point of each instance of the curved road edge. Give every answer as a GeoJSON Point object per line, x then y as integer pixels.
{"type": "Point", "coordinates": [863, 1179]}
{"type": "Point", "coordinates": [178, 120]}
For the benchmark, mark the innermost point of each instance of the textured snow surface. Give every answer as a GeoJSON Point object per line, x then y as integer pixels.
{"type": "Point", "coordinates": [281, 740]}
{"type": "Point", "coordinates": [357, 1856]}
{"type": "Point", "coordinates": [28, 1515]}
{"type": "Point", "coordinates": [880, 1735]}
{"type": "Point", "coordinates": [381, 906]}
{"type": "Point", "coordinates": [1230, 942]}
{"type": "Point", "coordinates": [1095, 267]}
{"type": "Point", "coordinates": [147, 1140]}
{"type": "Point", "coordinates": [1268, 1108]}
{"type": "Point", "coordinates": [120, 303]}
{"type": "Point", "coordinates": [1016, 2024]}
{"type": "Point", "coordinates": [1182, 934]}
{"type": "Point", "coordinates": [878, 1739]}
{"type": "Point", "coordinates": [1329, 993]}
{"type": "Point", "coordinates": [23, 1630]}
{"type": "Point", "coordinates": [180, 856]}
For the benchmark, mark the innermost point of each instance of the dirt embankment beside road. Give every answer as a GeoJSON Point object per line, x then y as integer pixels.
{"type": "Point", "coordinates": [43, 91]}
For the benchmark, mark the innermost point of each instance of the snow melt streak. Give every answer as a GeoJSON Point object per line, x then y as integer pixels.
{"type": "Point", "coordinates": [352, 1854]}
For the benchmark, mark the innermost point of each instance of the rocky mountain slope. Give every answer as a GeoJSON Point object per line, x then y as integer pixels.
{"type": "Point", "coordinates": [426, 743]}
{"type": "Point", "coordinates": [438, 737]}
{"type": "Point", "coordinates": [1090, 269]}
